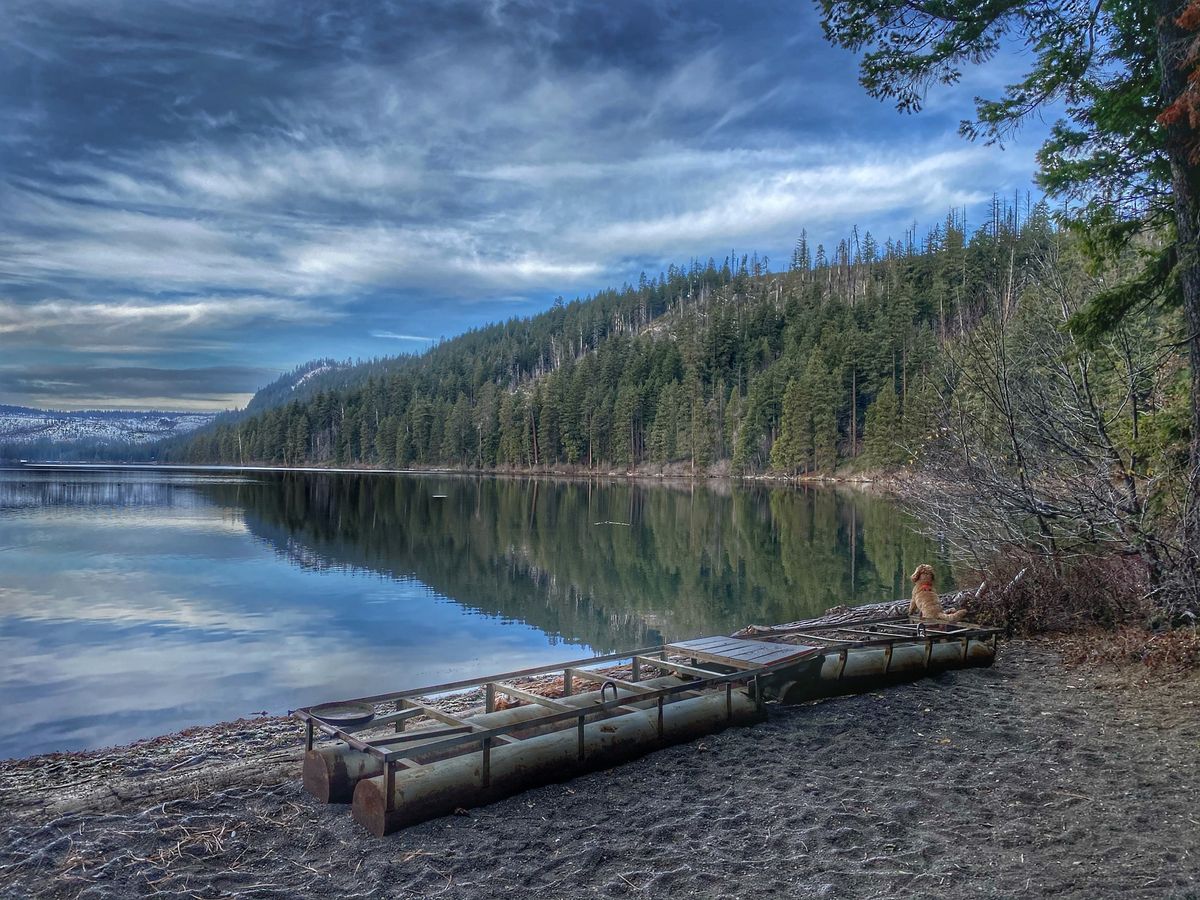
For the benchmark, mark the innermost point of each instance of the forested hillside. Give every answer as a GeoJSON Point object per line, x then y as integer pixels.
{"type": "Point", "coordinates": [727, 366]}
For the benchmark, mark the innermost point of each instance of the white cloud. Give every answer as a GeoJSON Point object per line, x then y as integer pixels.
{"type": "Point", "coordinates": [150, 317]}
{"type": "Point", "coordinates": [523, 154]}
{"type": "Point", "coordinates": [401, 337]}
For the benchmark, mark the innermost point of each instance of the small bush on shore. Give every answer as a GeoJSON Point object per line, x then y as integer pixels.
{"type": "Point", "coordinates": [1030, 595]}
{"type": "Point", "coordinates": [1096, 608]}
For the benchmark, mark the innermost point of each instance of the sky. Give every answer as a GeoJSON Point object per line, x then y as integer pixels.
{"type": "Point", "coordinates": [196, 195]}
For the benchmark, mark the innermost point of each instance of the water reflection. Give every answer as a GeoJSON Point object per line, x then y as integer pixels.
{"type": "Point", "coordinates": [136, 603]}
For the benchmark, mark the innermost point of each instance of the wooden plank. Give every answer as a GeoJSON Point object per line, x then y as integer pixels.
{"type": "Point", "coordinates": [709, 644]}
{"type": "Point", "coordinates": [738, 648]}
{"type": "Point", "coordinates": [731, 644]}
{"type": "Point", "coordinates": [730, 648]}
{"type": "Point", "coordinates": [722, 660]}
{"type": "Point", "coordinates": [702, 641]}
{"type": "Point", "coordinates": [774, 661]}
{"type": "Point", "coordinates": [773, 651]}
{"type": "Point", "coordinates": [759, 651]}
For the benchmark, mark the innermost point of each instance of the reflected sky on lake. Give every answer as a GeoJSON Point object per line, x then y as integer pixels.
{"type": "Point", "coordinates": [137, 603]}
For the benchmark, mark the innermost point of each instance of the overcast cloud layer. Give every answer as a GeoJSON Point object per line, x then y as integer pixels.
{"type": "Point", "coordinates": [196, 194]}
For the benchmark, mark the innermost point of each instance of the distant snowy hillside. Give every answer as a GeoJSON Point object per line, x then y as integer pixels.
{"type": "Point", "coordinates": [20, 425]}
{"type": "Point", "coordinates": [299, 384]}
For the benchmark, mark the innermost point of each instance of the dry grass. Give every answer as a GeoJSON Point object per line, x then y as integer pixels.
{"type": "Point", "coordinates": [1164, 653]}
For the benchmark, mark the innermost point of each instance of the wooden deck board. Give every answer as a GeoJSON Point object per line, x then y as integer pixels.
{"type": "Point", "coordinates": [738, 652]}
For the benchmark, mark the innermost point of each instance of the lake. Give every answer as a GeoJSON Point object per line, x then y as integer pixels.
{"type": "Point", "coordinates": [137, 602]}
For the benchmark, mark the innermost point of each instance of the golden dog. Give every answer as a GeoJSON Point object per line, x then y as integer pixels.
{"type": "Point", "coordinates": [925, 602]}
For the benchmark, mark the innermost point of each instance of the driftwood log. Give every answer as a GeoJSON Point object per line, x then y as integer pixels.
{"type": "Point", "coordinates": [868, 612]}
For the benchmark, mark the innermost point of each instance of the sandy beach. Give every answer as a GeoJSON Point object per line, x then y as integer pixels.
{"type": "Point", "coordinates": [1026, 779]}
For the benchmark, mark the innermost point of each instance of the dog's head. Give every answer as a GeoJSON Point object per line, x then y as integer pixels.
{"type": "Point", "coordinates": [923, 574]}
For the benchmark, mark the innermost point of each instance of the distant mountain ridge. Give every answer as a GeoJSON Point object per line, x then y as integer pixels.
{"type": "Point", "coordinates": [26, 428]}
{"type": "Point", "coordinates": [105, 434]}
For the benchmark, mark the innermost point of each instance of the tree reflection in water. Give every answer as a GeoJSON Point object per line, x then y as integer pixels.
{"type": "Point", "coordinates": [608, 564]}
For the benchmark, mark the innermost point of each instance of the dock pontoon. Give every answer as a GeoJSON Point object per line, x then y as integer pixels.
{"type": "Point", "coordinates": [550, 723]}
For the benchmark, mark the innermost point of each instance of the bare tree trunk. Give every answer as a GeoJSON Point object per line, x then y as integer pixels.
{"type": "Point", "coordinates": [1173, 49]}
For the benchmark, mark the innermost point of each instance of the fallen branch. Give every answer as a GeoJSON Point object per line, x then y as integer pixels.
{"type": "Point", "coordinates": [870, 612]}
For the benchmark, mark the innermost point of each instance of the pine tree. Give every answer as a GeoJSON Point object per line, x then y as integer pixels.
{"type": "Point", "coordinates": [801, 258]}
{"type": "Point", "coordinates": [788, 453]}
{"type": "Point", "coordinates": [822, 391]}
{"type": "Point", "coordinates": [625, 426]}
{"type": "Point", "coordinates": [882, 444]}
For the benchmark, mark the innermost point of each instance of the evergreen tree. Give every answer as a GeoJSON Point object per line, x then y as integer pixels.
{"type": "Point", "coordinates": [789, 452]}
{"type": "Point", "coordinates": [882, 446]}
{"type": "Point", "coordinates": [1124, 156]}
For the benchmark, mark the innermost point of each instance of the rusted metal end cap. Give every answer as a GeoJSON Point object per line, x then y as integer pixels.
{"type": "Point", "coordinates": [344, 713]}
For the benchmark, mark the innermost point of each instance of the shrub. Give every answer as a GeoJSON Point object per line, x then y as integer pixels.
{"type": "Point", "coordinates": [1030, 595]}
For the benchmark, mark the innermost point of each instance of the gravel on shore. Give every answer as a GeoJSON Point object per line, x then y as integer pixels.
{"type": "Point", "coordinates": [1026, 779]}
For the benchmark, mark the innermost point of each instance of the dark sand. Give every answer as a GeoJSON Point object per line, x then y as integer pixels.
{"type": "Point", "coordinates": [1027, 779]}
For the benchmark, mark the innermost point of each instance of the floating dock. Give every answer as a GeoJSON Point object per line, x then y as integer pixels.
{"type": "Point", "coordinates": [571, 717]}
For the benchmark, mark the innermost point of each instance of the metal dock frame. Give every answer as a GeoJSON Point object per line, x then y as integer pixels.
{"type": "Point", "coordinates": [460, 733]}
{"type": "Point", "coordinates": [799, 664]}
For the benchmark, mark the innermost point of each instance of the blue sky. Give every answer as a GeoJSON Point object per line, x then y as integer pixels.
{"type": "Point", "coordinates": [196, 195]}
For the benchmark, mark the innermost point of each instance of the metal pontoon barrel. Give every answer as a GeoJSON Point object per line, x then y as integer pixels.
{"type": "Point", "coordinates": [857, 669]}
{"type": "Point", "coordinates": [442, 787]}
{"type": "Point", "coordinates": [331, 773]}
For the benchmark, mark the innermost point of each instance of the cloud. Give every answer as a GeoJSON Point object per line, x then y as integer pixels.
{"type": "Point", "coordinates": [222, 177]}
{"type": "Point", "coordinates": [150, 317]}
{"type": "Point", "coordinates": [401, 337]}
{"type": "Point", "coordinates": [81, 386]}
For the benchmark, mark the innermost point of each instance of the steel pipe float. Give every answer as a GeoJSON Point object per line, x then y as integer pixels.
{"type": "Point", "coordinates": [858, 669]}
{"type": "Point", "coordinates": [331, 773]}
{"type": "Point", "coordinates": [441, 787]}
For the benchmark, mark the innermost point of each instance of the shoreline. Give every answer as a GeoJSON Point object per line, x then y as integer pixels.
{"type": "Point", "coordinates": [882, 483]}
{"type": "Point", "coordinates": [1025, 778]}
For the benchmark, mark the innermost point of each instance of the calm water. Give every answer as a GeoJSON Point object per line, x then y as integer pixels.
{"type": "Point", "coordinates": [133, 603]}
